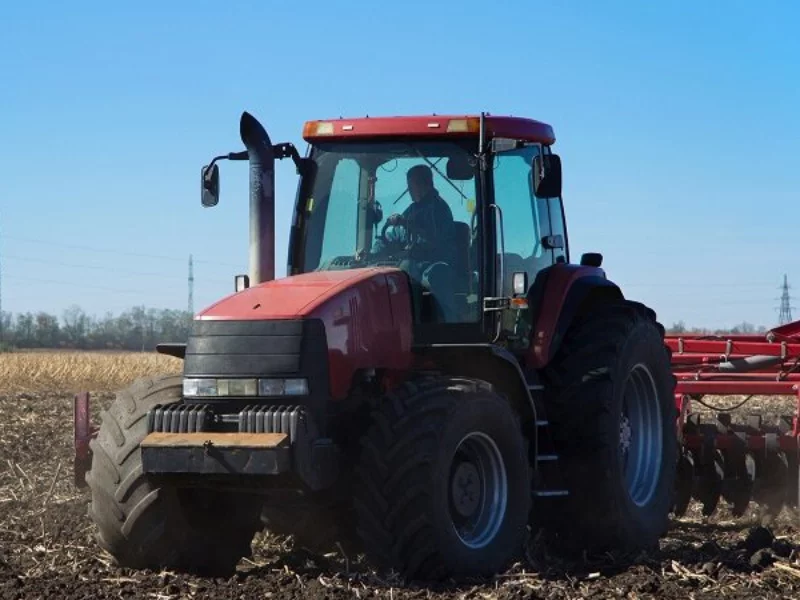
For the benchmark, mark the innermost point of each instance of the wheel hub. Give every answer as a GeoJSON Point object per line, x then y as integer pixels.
{"type": "Point", "coordinates": [466, 489]}
{"type": "Point", "coordinates": [478, 491]}
{"type": "Point", "coordinates": [641, 441]}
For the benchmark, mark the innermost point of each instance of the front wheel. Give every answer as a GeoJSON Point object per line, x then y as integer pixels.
{"type": "Point", "coordinates": [144, 523]}
{"type": "Point", "coordinates": [610, 403]}
{"type": "Point", "coordinates": [444, 483]}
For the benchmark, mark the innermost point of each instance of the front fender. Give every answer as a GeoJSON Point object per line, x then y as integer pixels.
{"type": "Point", "coordinates": [489, 363]}
{"type": "Point", "coordinates": [558, 295]}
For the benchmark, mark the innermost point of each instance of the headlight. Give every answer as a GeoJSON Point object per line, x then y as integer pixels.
{"type": "Point", "coordinates": [199, 387]}
{"type": "Point", "coordinates": [244, 387]}
{"type": "Point", "coordinates": [282, 387]}
{"type": "Point", "coordinates": [296, 387]}
{"type": "Point", "coordinates": [237, 387]}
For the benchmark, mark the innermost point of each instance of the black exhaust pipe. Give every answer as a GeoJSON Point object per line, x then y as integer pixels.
{"type": "Point", "coordinates": [262, 198]}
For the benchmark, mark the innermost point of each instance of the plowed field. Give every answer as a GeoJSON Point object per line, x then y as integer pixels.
{"type": "Point", "coordinates": [47, 548]}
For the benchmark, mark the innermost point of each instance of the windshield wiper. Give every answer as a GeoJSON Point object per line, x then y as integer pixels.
{"type": "Point", "coordinates": [401, 196]}
{"type": "Point", "coordinates": [433, 166]}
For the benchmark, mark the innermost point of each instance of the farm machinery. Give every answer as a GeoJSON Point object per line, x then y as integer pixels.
{"type": "Point", "coordinates": [743, 460]}
{"type": "Point", "coordinates": [432, 381]}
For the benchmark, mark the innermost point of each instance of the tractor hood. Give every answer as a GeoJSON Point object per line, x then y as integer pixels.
{"type": "Point", "coordinates": [365, 316]}
{"type": "Point", "coordinates": [291, 297]}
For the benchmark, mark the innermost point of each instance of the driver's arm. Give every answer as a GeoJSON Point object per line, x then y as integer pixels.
{"type": "Point", "coordinates": [434, 227]}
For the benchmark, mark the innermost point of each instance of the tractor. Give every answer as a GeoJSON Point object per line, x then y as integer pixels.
{"type": "Point", "coordinates": [432, 382]}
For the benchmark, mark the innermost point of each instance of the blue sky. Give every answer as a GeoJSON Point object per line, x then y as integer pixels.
{"type": "Point", "coordinates": [677, 124]}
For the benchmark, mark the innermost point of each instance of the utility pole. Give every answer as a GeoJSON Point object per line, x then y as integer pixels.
{"type": "Point", "coordinates": [191, 287]}
{"type": "Point", "coordinates": [785, 312]}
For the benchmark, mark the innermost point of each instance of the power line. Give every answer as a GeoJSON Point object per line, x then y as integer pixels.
{"type": "Point", "coordinates": [703, 284]}
{"type": "Point", "coordinates": [73, 284]}
{"type": "Point", "coordinates": [785, 310]}
{"type": "Point", "coordinates": [112, 251]}
{"type": "Point", "coordinates": [97, 267]}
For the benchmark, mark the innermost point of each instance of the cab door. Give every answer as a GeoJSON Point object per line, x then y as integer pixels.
{"type": "Point", "coordinates": [523, 235]}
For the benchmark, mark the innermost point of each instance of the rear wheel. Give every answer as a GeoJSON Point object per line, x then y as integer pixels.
{"type": "Point", "coordinates": [610, 403]}
{"type": "Point", "coordinates": [144, 524]}
{"type": "Point", "coordinates": [444, 484]}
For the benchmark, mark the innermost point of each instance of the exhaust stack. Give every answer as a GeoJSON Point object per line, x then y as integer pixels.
{"type": "Point", "coordinates": [262, 198]}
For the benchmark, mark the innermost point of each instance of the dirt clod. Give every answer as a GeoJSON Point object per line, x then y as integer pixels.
{"type": "Point", "coordinates": [782, 548]}
{"type": "Point", "coordinates": [762, 558]}
{"type": "Point", "coordinates": [711, 548]}
{"type": "Point", "coordinates": [758, 539]}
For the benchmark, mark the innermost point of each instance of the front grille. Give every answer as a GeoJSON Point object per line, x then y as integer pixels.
{"type": "Point", "coordinates": [197, 418]}
{"type": "Point", "coordinates": [271, 419]}
{"type": "Point", "coordinates": [261, 349]}
{"type": "Point", "coordinates": [179, 418]}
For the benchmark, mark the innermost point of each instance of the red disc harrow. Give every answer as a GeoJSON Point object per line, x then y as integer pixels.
{"type": "Point", "coordinates": [748, 458]}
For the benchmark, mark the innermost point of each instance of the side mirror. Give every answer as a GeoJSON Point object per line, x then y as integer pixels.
{"type": "Point", "coordinates": [210, 186]}
{"type": "Point", "coordinates": [547, 176]}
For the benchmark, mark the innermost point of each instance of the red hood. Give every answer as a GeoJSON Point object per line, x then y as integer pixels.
{"type": "Point", "coordinates": [290, 297]}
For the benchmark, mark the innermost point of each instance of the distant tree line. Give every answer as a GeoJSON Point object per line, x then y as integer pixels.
{"type": "Point", "coordinates": [141, 328]}
{"type": "Point", "coordinates": [743, 328]}
{"type": "Point", "coordinates": [138, 328]}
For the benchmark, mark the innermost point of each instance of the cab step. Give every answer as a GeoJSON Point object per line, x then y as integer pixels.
{"type": "Point", "coordinates": [548, 481]}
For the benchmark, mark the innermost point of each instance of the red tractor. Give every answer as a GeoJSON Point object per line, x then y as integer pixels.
{"type": "Point", "coordinates": [431, 382]}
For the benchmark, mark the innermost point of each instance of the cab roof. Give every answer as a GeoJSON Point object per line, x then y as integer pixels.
{"type": "Point", "coordinates": [518, 128]}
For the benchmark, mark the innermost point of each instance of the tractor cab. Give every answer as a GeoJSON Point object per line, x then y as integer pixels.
{"type": "Point", "coordinates": [468, 207]}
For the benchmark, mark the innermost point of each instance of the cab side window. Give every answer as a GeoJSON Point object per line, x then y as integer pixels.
{"type": "Point", "coordinates": [526, 218]}
{"type": "Point", "coordinates": [557, 226]}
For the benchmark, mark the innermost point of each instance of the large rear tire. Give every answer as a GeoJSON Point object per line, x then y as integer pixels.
{"type": "Point", "coordinates": [610, 402]}
{"type": "Point", "coordinates": [444, 482]}
{"type": "Point", "coordinates": [147, 525]}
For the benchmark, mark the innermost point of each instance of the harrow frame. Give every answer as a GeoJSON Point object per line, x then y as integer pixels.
{"type": "Point", "coordinates": [748, 460]}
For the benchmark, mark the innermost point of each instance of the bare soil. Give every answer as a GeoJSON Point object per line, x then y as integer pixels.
{"type": "Point", "coordinates": [47, 549]}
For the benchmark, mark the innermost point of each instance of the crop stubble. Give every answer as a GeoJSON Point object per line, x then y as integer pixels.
{"type": "Point", "coordinates": [47, 548]}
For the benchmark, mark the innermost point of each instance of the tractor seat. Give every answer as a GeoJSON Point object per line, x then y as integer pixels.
{"type": "Point", "coordinates": [445, 285]}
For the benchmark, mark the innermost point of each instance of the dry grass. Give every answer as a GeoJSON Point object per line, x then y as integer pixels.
{"type": "Point", "coordinates": [70, 372]}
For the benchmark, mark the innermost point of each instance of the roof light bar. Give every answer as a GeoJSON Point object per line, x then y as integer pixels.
{"type": "Point", "coordinates": [463, 126]}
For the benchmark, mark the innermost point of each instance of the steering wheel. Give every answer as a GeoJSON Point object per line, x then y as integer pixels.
{"type": "Point", "coordinates": [386, 242]}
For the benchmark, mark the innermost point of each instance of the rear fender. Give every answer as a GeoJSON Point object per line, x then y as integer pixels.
{"type": "Point", "coordinates": [558, 295]}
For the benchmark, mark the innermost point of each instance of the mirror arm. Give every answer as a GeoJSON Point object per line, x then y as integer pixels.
{"type": "Point", "coordinates": [287, 150]}
{"type": "Point", "coordinates": [229, 156]}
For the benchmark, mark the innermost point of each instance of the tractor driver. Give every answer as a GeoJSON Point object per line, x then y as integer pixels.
{"type": "Point", "coordinates": [430, 230]}
{"type": "Point", "coordinates": [428, 221]}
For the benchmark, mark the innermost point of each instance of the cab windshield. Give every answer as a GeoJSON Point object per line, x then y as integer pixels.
{"type": "Point", "coordinates": [409, 204]}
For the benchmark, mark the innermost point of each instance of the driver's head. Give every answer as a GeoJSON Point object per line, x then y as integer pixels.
{"type": "Point", "coordinates": [420, 182]}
